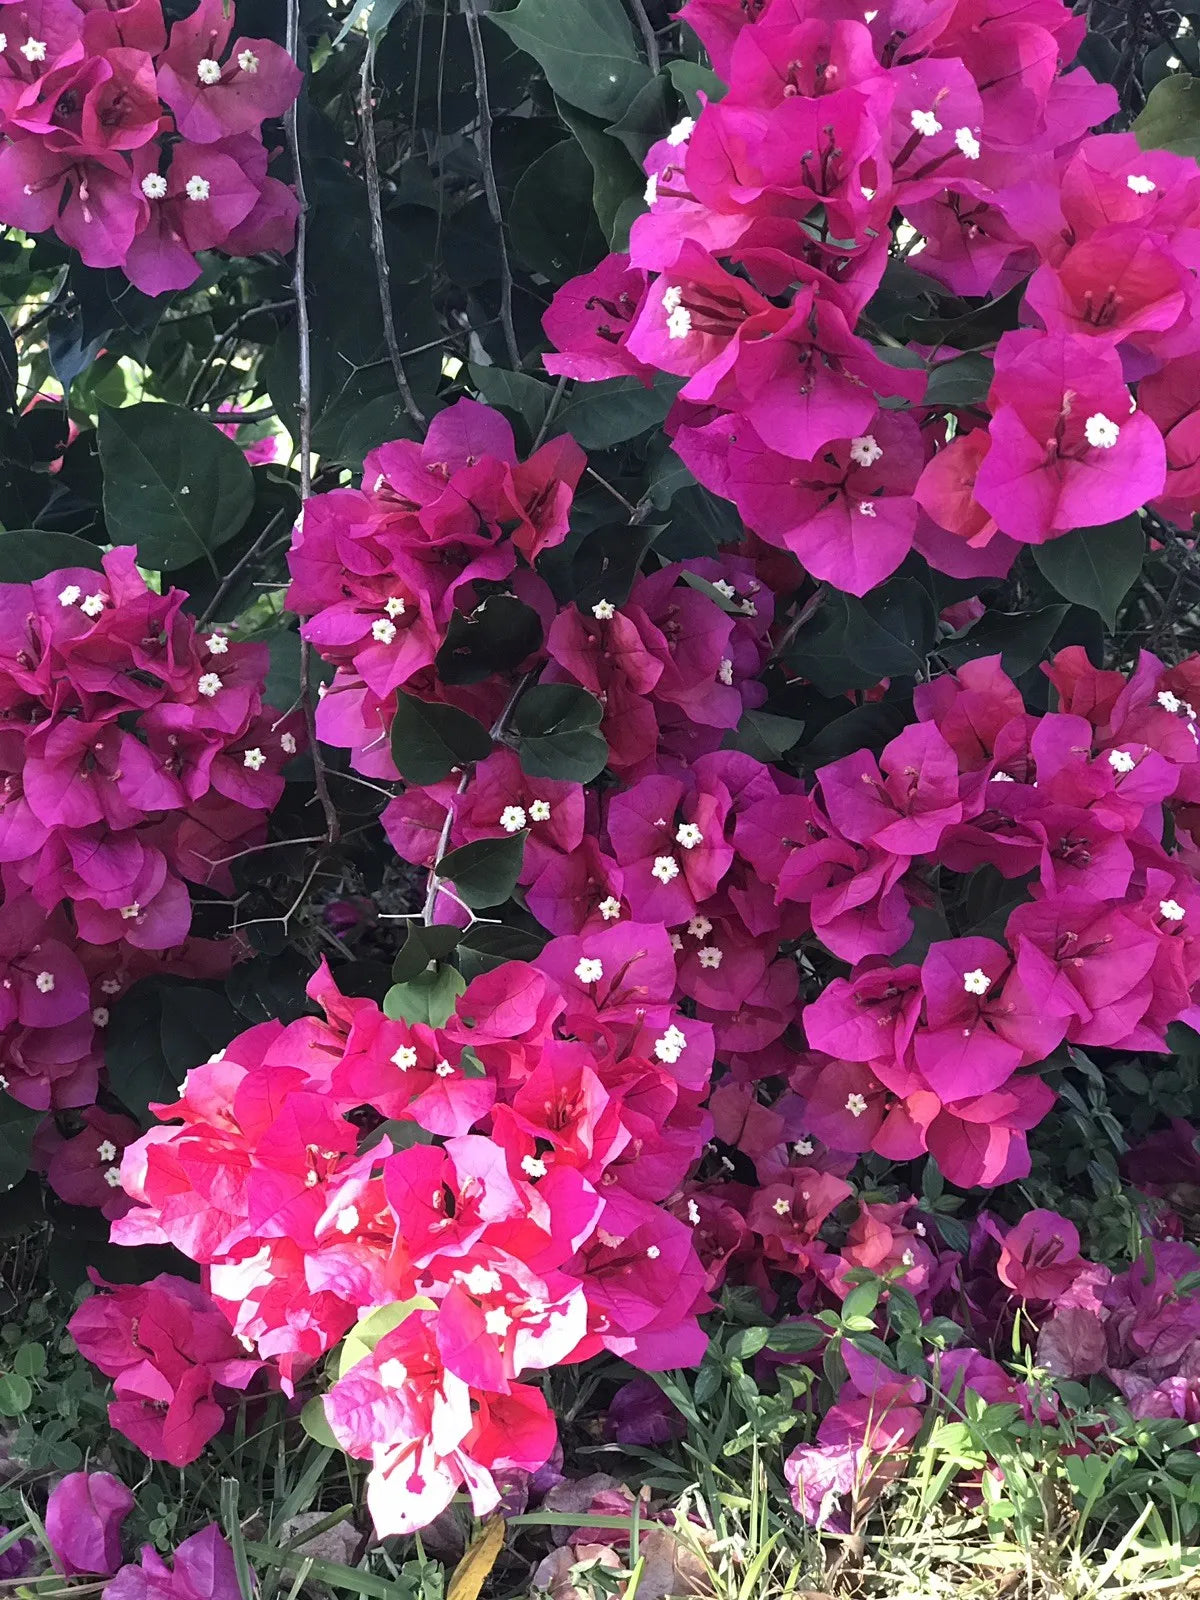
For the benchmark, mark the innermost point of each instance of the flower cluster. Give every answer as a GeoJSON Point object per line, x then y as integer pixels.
{"type": "Point", "coordinates": [140, 148]}
{"type": "Point", "coordinates": [768, 231]}
{"type": "Point", "coordinates": [492, 1187]}
{"type": "Point", "coordinates": [137, 757]}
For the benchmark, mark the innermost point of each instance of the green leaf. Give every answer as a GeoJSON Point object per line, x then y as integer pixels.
{"type": "Point", "coordinates": [764, 736]}
{"type": "Point", "coordinates": [599, 415]}
{"type": "Point", "coordinates": [961, 382]}
{"type": "Point", "coordinates": [853, 644]}
{"type": "Point", "coordinates": [173, 485]}
{"type": "Point", "coordinates": [486, 946]}
{"type": "Point", "coordinates": [18, 1124]}
{"type": "Point", "coordinates": [586, 48]}
{"type": "Point", "coordinates": [16, 1394]}
{"type": "Point", "coordinates": [1095, 567]}
{"type": "Point", "coordinates": [551, 222]}
{"type": "Point", "coordinates": [423, 948]}
{"type": "Point", "coordinates": [557, 733]}
{"type": "Point", "coordinates": [429, 740]}
{"type": "Point", "coordinates": [691, 80]}
{"type": "Point", "coordinates": [30, 1360]}
{"type": "Point", "coordinates": [360, 1342]}
{"type": "Point", "coordinates": [1170, 119]}
{"type": "Point", "coordinates": [485, 872]}
{"type": "Point", "coordinates": [796, 1338]}
{"type": "Point", "coordinates": [616, 176]}
{"type": "Point", "coordinates": [316, 1425]}
{"type": "Point", "coordinates": [158, 1031]}
{"type": "Point", "coordinates": [27, 554]}
{"type": "Point", "coordinates": [427, 998]}
{"type": "Point", "coordinates": [1021, 638]}
{"type": "Point", "coordinates": [513, 391]}
{"type": "Point", "coordinates": [495, 638]}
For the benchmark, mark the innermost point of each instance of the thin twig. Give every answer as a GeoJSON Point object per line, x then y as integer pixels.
{"type": "Point", "coordinates": [483, 143]}
{"type": "Point", "coordinates": [232, 576]}
{"type": "Point", "coordinates": [550, 410]}
{"type": "Point", "coordinates": [304, 402]}
{"type": "Point", "coordinates": [366, 111]}
{"type": "Point", "coordinates": [209, 360]}
{"type": "Point", "coordinates": [648, 35]}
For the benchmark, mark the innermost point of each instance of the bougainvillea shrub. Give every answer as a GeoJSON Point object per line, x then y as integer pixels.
{"type": "Point", "coordinates": [601, 773]}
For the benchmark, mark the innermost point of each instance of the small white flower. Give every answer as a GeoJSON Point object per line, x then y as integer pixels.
{"type": "Point", "coordinates": [208, 71]}
{"type": "Point", "coordinates": [866, 508]}
{"type": "Point", "coordinates": [254, 759]}
{"type": "Point", "coordinates": [3, 1081]}
{"type": "Point", "coordinates": [1140, 184]}
{"type": "Point", "coordinates": [604, 610]}
{"type": "Point", "coordinates": [405, 1057]}
{"type": "Point", "coordinates": [925, 123]}
{"type": "Point", "coordinates": [1172, 910]}
{"type": "Point", "coordinates": [287, 743]}
{"type": "Point", "coordinates": [131, 911]}
{"type": "Point", "coordinates": [217, 644]}
{"type": "Point", "coordinates": [651, 194]}
{"type": "Point", "coordinates": [710, 956]}
{"type": "Point", "coordinates": [107, 1151]}
{"type": "Point", "coordinates": [217, 1055]}
{"type": "Point", "coordinates": [533, 1166]}
{"type": "Point", "coordinates": [653, 1252]}
{"type": "Point", "coordinates": [672, 297]}
{"type": "Point", "coordinates": [539, 811]}
{"type": "Point", "coordinates": [865, 450]}
{"type": "Point", "coordinates": [94, 605]}
{"type": "Point", "coordinates": [679, 323]}
{"type": "Point", "coordinates": [112, 1177]}
{"type": "Point", "coordinates": [70, 595]}
{"type": "Point", "coordinates": [1100, 432]}
{"type": "Point", "coordinates": [725, 588]}
{"type": "Point", "coordinates": [482, 1280]}
{"type": "Point", "coordinates": [111, 985]}
{"type": "Point", "coordinates": [209, 685]}
{"type": "Point", "coordinates": [45, 982]}
{"type": "Point", "coordinates": [725, 671]}
{"type": "Point", "coordinates": [393, 1374]}
{"type": "Point", "coordinates": [699, 927]}
{"type": "Point", "coordinates": [497, 1321]}
{"type": "Point", "coordinates": [781, 1207]}
{"type": "Point", "coordinates": [804, 1147]}
{"type": "Point", "coordinates": [346, 1220]}
{"type": "Point", "coordinates": [688, 835]}
{"type": "Point", "coordinates": [34, 50]}
{"type": "Point", "coordinates": [154, 186]}
{"type": "Point", "coordinates": [676, 943]}
{"type": "Point", "coordinates": [394, 606]}
{"type": "Point", "coordinates": [100, 1017]}
{"type": "Point", "coordinates": [247, 60]}
{"type": "Point", "coordinates": [512, 819]}
{"type": "Point", "coordinates": [682, 131]}
{"type": "Point", "coordinates": [967, 143]}
{"type": "Point", "coordinates": [920, 1230]}
{"type": "Point", "coordinates": [588, 970]}
{"type": "Point", "coordinates": [1167, 700]}
{"type": "Point", "coordinates": [856, 1104]}
{"type": "Point", "coordinates": [1003, 777]}
{"type": "Point", "coordinates": [976, 982]}
{"type": "Point", "coordinates": [610, 908]}
{"type": "Point", "coordinates": [3, 43]}
{"type": "Point", "coordinates": [671, 1045]}
{"type": "Point", "coordinates": [383, 631]}
{"type": "Point", "coordinates": [664, 869]}
{"type": "Point", "coordinates": [907, 1259]}
{"type": "Point", "coordinates": [693, 1213]}
{"type": "Point", "coordinates": [444, 1069]}
{"type": "Point", "coordinates": [1121, 761]}
{"type": "Point", "coordinates": [197, 188]}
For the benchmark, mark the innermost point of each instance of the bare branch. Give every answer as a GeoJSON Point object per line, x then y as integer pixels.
{"type": "Point", "coordinates": [483, 143]}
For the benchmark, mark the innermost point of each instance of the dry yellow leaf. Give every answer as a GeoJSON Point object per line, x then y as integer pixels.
{"type": "Point", "coordinates": [471, 1572]}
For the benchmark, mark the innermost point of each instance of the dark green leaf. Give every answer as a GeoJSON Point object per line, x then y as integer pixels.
{"type": "Point", "coordinates": [495, 638]}
{"type": "Point", "coordinates": [427, 998]}
{"type": "Point", "coordinates": [16, 1394]}
{"type": "Point", "coordinates": [486, 946]}
{"type": "Point", "coordinates": [616, 176]}
{"type": "Point", "coordinates": [18, 1124]}
{"type": "Point", "coordinates": [1020, 638]}
{"type": "Point", "coordinates": [423, 948]}
{"type": "Point", "coordinates": [551, 222]}
{"type": "Point", "coordinates": [30, 553]}
{"type": "Point", "coordinates": [648, 118]}
{"type": "Point", "coordinates": [485, 872]}
{"type": "Point", "coordinates": [173, 485]}
{"type": "Point", "coordinates": [963, 381]}
{"type": "Point", "coordinates": [691, 80]}
{"type": "Point", "coordinates": [764, 736]}
{"type": "Point", "coordinates": [430, 740]}
{"type": "Point", "coordinates": [600, 415]}
{"type": "Point", "coordinates": [557, 733]}
{"type": "Point", "coordinates": [586, 49]}
{"type": "Point", "coordinates": [158, 1031]}
{"type": "Point", "coordinates": [853, 644]}
{"type": "Point", "coordinates": [1095, 567]}
{"type": "Point", "coordinates": [515, 392]}
{"type": "Point", "coordinates": [1170, 119]}
{"type": "Point", "coordinates": [8, 367]}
